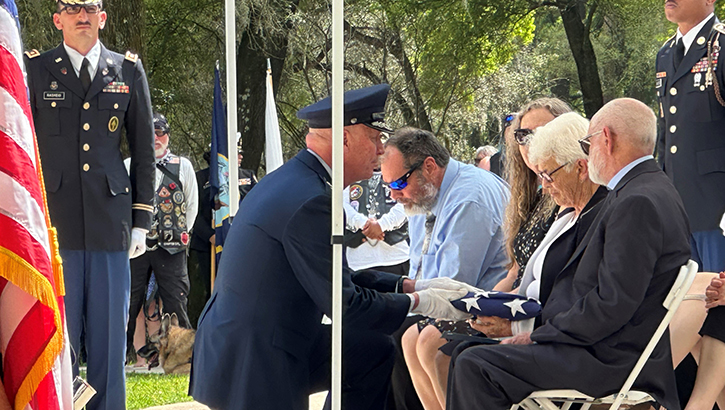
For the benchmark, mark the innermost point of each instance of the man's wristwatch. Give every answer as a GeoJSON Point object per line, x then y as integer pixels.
{"type": "Point", "coordinates": [399, 284]}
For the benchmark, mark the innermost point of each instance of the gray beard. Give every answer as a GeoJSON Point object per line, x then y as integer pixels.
{"type": "Point", "coordinates": [595, 172]}
{"type": "Point", "coordinates": [426, 202]}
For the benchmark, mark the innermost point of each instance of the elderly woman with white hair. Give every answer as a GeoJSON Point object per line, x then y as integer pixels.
{"type": "Point", "coordinates": [563, 170]}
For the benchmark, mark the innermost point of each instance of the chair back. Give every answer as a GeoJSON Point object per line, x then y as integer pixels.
{"type": "Point", "coordinates": [679, 289]}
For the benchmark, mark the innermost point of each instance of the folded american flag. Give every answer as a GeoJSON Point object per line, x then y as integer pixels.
{"type": "Point", "coordinates": [506, 305]}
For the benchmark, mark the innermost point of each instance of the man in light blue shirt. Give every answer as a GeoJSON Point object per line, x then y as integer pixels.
{"type": "Point", "coordinates": [462, 206]}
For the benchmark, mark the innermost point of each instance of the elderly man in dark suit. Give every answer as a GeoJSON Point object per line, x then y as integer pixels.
{"type": "Point", "coordinates": [600, 314]}
{"type": "Point", "coordinates": [260, 342]}
{"type": "Point", "coordinates": [83, 97]}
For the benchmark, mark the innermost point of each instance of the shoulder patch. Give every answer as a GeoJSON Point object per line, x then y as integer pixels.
{"type": "Point", "coordinates": [32, 53]}
{"type": "Point", "coordinates": [719, 27]}
{"type": "Point", "coordinates": [131, 56]}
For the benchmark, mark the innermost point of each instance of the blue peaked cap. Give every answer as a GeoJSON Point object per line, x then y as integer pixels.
{"type": "Point", "coordinates": [506, 305]}
{"type": "Point", "coordinates": [362, 106]}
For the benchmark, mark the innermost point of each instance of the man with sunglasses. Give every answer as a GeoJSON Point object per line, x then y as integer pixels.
{"type": "Point", "coordinates": [82, 96]}
{"type": "Point", "coordinates": [175, 210]}
{"type": "Point", "coordinates": [260, 342]}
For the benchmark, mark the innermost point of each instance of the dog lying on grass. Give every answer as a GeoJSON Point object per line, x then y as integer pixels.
{"type": "Point", "coordinates": [170, 347]}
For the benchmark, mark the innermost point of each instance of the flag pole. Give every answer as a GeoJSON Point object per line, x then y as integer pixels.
{"type": "Point", "coordinates": [337, 177]}
{"type": "Point", "coordinates": [231, 54]}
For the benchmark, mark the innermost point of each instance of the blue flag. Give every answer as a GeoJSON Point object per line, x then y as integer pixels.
{"type": "Point", "coordinates": [219, 169]}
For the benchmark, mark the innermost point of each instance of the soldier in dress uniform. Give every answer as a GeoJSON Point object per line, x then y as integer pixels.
{"type": "Point", "coordinates": [691, 149]}
{"type": "Point", "coordinates": [247, 177]}
{"type": "Point", "coordinates": [82, 95]}
{"type": "Point", "coordinates": [175, 209]}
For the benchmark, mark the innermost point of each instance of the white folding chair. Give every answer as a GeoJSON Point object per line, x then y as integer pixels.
{"type": "Point", "coordinates": [563, 399]}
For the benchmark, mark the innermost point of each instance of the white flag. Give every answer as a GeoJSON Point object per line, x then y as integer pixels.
{"type": "Point", "coordinates": [273, 146]}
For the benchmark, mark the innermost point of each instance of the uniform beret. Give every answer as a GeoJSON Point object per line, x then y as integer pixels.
{"type": "Point", "coordinates": [362, 106]}
{"type": "Point", "coordinates": [506, 305]}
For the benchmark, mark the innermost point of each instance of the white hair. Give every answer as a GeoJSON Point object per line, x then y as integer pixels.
{"type": "Point", "coordinates": [486, 150]}
{"type": "Point", "coordinates": [631, 120]}
{"type": "Point", "coordinates": [559, 139]}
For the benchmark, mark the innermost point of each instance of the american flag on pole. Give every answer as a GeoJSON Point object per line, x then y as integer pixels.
{"type": "Point", "coordinates": [36, 371]}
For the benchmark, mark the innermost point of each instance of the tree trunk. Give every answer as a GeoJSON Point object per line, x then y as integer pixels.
{"type": "Point", "coordinates": [577, 32]}
{"type": "Point", "coordinates": [251, 86]}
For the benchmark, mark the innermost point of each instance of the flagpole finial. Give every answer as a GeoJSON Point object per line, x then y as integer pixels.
{"type": "Point", "coordinates": [269, 65]}
{"type": "Point", "coordinates": [217, 64]}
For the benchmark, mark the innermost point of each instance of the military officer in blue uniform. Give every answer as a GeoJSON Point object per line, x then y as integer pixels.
{"type": "Point", "coordinates": [82, 97]}
{"type": "Point", "coordinates": [691, 149]}
{"type": "Point", "coordinates": [260, 342]}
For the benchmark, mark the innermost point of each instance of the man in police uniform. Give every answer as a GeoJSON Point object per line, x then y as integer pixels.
{"type": "Point", "coordinates": [82, 95]}
{"type": "Point", "coordinates": [175, 211]}
{"type": "Point", "coordinates": [691, 150]}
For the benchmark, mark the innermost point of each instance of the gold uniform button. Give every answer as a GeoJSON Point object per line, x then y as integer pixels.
{"type": "Point", "coordinates": [86, 127]}
{"type": "Point", "coordinates": [701, 40]}
{"type": "Point", "coordinates": [86, 167]}
{"type": "Point", "coordinates": [86, 106]}
{"type": "Point", "coordinates": [115, 106]}
{"type": "Point", "coordinates": [673, 109]}
{"type": "Point", "coordinates": [673, 91]}
{"type": "Point", "coordinates": [673, 128]}
{"type": "Point", "coordinates": [53, 104]}
{"type": "Point", "coordinates": [673, 149]}
{"type": "Point", "coordinates": [86, 147]}
{"type": "Point", "coordinates": [702, 88]}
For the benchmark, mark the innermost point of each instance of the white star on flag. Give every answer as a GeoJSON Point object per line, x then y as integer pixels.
{"type": "Point", "coordinates": [470, 303]}
{"type": "Point", "coordinates": [516, 306]}
{"type": "Point", "coordinates": [482, 293]}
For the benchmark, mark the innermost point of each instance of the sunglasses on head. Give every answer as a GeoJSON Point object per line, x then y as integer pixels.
{"type": "Point", "coordinates": [586, 144]}
{"type": "Point", "coordinates": [523, 135]}
{"type": "Point", "coordinates": [402, 182]}
{"type": "Point", "coordinates": [546, 176]}
{"type": "Point", "coordinates": [72, 9]}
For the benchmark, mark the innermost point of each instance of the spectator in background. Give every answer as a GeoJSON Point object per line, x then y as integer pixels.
{"type": "Point", "coordinates": [247, 177]}
{"type": "Point", "coordinates": [483, 156]}
{"type": "Point", "coordinates": [202, 239]}
{"type": "Point", "coordinates": [174, 213]}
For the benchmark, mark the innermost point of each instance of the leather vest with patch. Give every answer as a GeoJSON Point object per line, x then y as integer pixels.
{"type": "Point", "coordinates": [371, 198]}
{"type": "Point", "coordinates": [169, 230]}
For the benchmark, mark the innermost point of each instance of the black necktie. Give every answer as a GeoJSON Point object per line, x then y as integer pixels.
{"type": "Point", "coordinates": [679, 52]}
{"type": "Point", "coordinates": [85, 75]}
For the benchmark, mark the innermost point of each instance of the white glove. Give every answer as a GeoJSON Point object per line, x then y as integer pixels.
{"type": "Point", "coordinates": [436, 303]}
{"type": "Point", "coordinates": [138, 242]}
{"type": "Point", "coordinates": [443, 283]}
{"type": "Point", "coordinates": [722, 224]}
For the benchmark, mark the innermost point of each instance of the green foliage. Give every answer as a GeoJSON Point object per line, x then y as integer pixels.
{"type": "Point", "coordinates": [148, 390]}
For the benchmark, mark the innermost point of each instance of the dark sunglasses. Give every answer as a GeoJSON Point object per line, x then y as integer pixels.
{"type": "Point", "coordinates": [76, 8]}
{"type": "Point", "coordinates": [585, 143]}
{"type": "Point", "coordinates": [160, 133]}
{"type": "Point", "coordinates": [402, 182]}
{"type": "Point", "coordinates": [523, 135]}
{"type": "Point", "coordinates": [546, 176]}
{"type": "Point", "coordinates": [477, 160]}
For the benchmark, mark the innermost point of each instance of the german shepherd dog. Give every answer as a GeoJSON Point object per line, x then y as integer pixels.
{"type": "Point", "coordinates": [170, 347]}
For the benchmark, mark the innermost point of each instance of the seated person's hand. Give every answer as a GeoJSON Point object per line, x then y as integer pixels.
{"type": "Point", "coordinates": [436, 303]}
{"type": "Point", "coordinates": [372, 230]}
{"type": "Point", "coordinates": [444, 283]}
{"type": "Point", "coordinates": [715, 292]}
{"type": "Point", "coordinates": [520, 339]}
{"type": "Point", "coordinates": [492, 326]}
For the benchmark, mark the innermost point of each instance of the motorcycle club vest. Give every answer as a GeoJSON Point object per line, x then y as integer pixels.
{"type": "Point", "coordinates": [371, 198]}
{"type": "Point", "coordinates": [169, 230]}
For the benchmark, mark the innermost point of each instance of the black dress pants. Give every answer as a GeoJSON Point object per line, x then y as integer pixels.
{"type": "Point", "coordinates": [173, 282]}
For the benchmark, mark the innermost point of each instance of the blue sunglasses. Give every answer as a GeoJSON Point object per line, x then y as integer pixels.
{"type": "Point", "coordinates": [402, 182]}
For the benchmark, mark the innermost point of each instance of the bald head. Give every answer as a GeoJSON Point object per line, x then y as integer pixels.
{"type": "Point", "coordinates": [632, 122]}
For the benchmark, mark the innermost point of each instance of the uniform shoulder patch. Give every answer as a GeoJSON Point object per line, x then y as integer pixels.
{"type": "Point", "coordinates": [131, 56]}
{"type": "Point", "coordinates": [719, 27]}
{"type": "Point", "coordinates": [32, 53]}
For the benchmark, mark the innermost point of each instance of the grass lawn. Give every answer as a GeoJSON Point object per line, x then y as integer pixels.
{"type": "Point", "coordinates": [147, 390]}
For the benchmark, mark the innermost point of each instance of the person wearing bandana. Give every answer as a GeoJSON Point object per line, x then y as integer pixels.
{"type": "Point", "coordinates": [175, 210]}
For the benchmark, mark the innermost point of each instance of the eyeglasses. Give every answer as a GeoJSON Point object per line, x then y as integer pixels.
{"type": "Point", "coordinates": [402, 182]}
{"type": "Point", "coordinates": [523, 135]}
{"type": "Point", "coordinates": [73, 9]}
{"type": "Point", "coordinates": [160, 133]}
{"type": "Point", "coordinates": [546, 176]}
{"type": "Point", "coordinates": [585, 143]}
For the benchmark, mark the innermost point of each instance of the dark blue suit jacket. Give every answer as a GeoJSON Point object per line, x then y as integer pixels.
{"type": "Point", "coordinates": [257, 332]}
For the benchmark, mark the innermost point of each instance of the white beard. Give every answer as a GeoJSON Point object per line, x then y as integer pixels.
{"type": "Point", "coordinates": [595, 171]}
{"type": "Point", "coordinates": [428, 199]}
